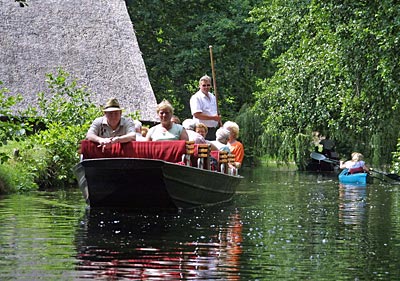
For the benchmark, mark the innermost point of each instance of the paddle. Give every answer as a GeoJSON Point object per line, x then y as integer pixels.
{"type": "Point", "coordinates": [321, 157]}
{"type": "Point", "coordinates": [391, 176]}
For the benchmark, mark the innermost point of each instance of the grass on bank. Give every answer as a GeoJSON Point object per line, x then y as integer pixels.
{"type": "Point", "coordinates": [42, 161]}
{"type": "Point", "coordinates": [23, 167]}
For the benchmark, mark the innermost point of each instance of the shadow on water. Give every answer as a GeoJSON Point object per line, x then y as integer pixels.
{"type": "Point", "coordinates": [200, 244]}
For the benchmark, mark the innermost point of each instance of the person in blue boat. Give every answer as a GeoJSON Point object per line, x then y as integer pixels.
{"type": "Point", "coordinates": [355, 165]}
{"type": "Point", "coordinates": [166, 130]}
{"type": "Point", "coordinates": [112, 127]}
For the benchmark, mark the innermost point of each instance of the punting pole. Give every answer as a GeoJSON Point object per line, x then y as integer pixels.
{"type": "Point", "coordinates": [213, 78]}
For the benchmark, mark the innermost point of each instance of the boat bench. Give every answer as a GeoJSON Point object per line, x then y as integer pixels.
{"type": "Point", "coordinates": [201, 156]}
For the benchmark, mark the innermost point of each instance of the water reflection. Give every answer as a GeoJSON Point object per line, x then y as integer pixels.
{"type": "Point", "coordinates": [280, 226]}
{"type": "Point", "coordinates": [206, 245]}
{"type": "Point", "coordinates": [352, 203]}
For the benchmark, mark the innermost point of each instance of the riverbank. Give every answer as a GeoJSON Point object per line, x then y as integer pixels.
{"type": "Point", "coordinates": [44, 160]}
{"type": "Point", "coordinates": [23, 164]}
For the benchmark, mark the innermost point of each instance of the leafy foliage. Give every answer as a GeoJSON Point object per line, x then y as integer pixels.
{"type": "Point", "coordinates": [336, 71]}
{"type": "Point", "coordinates": [10, 127]}
{"type": "Point", "coordinates": [250, 131]}
{"type": "Point", "coordinates": [174, 37]}
{"type": "Point", "coordinates": [47, 157]}
{"type": "Point", "coordinates": [66, 103]}
{"type": "Point", "coordinates": [20, 172]}
{"type": "Point", "coordinates": [61, 146]}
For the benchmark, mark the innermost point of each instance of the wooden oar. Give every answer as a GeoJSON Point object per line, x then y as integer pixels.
{"type": "Point", "coordinates": [391, 176]}
{"type": "Point", "coordinates": [321, 157]}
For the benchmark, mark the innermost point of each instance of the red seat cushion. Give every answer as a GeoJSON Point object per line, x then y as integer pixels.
{"type": "Point", "coordinates": [170, 151]}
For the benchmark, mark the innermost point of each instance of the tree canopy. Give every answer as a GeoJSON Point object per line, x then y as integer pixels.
{"type": "Point", "coordinates": [336, 70]}
{"type": "Point", "coordinates": [175, 36]}
{"type": "Point", "coordinates": [292, 67]}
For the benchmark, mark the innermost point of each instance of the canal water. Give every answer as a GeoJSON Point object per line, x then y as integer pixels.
{"type": "Point", "coordinates": [281, 225]}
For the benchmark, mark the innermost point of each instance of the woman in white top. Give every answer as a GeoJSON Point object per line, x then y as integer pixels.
{"type": "Point", "coordinates": [356, 163]}
{"type": "Point", "coordinates": [166, 130]}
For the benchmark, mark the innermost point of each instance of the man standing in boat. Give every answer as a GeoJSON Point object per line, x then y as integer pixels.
{"type": "Point", "coordinates": [112, 127]}
{"type": "Point", "coordinates": [203, 106]}
{"type": "Point", "coordinates": [328, 146]}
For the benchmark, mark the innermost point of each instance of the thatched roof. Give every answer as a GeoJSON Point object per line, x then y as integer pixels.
{"type": "Point", "coordinates": [92, 40]}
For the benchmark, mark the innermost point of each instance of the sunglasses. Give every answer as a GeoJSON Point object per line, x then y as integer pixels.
{"type": "Point", "coordinates": [206, 85]}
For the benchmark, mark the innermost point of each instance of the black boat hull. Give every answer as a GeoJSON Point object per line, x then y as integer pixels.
{"type": "Point", "coordinates": [148, 183]}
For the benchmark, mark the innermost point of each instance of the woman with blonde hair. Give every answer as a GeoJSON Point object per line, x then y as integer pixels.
{"type": "Point", "coordinates": [166, 130]}
{"type": "Point", "coordinates": [235, 146]}
{"type": "Point", "coordinates": [201, 129]}
{"type": "Point", "coordinates": [355, 165]}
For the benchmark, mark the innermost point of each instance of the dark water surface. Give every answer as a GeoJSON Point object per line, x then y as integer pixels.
{"type": "Point", "coordinates": [282, 225]}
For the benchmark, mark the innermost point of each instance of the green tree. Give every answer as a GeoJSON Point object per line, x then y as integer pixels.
{"type": "Point", "coordinates": [336, 70]}
{"type": "Point", "coordinates": [174, 37]}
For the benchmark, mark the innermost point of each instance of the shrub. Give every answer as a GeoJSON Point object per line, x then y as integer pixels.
{"type": "Point", "coordinates": [10, 127]}
{"type": "Point", "coordinates": [46, 159]}
{"type": "Point", "coordinates": [61, 146]}
{"type": "Point", "coordinates": [19, 171]}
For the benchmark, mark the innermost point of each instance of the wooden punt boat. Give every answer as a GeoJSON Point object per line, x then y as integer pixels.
{"type": "Point", "coordinates": [169, 174]}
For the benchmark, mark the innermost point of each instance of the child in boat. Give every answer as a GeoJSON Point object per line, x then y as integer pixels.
{"type": "Point", "coordinates": [355, 165]}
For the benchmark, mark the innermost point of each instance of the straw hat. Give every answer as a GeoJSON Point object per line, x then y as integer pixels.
{"type": "Point", "coordinates": [112, 105]}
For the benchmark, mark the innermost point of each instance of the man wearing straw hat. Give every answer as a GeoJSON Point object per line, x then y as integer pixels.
{"type": "Point", "coordinates": [112, 127]}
